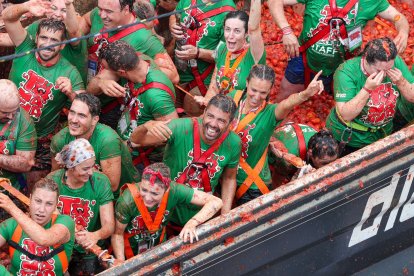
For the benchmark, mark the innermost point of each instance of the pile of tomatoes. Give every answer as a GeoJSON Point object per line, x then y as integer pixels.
{"type": "Point", "coordinates": [315, 110]}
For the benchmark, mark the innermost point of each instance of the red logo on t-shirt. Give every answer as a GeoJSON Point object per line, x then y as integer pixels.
{"type": "Point", "coordinates": [3, 147]}
{"type": "Point", "coordinates": [138, 224]}
{"type": "Point", "coordinates": [246, 138]}
{"type": "Point", "coordinates": [381, 105]}
{"type": "Point", "coordinates": [202, 26]}
{"type": "Point", "coordinates": [77, 208]}
{"type": "Point", "coordinates": [33, 267]}
{"type": "Point", "coordinates": [35, 92]}
{"type": "Point", "coordinates": [194, 175]}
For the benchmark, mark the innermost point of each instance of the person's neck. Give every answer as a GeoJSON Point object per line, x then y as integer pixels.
{"type": "Point", "coordinates": [87, 135]}
{"type": "Point", "coordinates": [237, 53]}
{"type": "Point", "coordinates": [139, 74]}
{"type": "Point", "coordinates": [71, 182]}
{"type": "Point", "coordinates": [128, 19]}
{"type": "Point", "coordinates": [48, 63]}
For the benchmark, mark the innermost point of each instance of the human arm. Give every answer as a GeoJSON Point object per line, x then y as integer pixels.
{"type": "Point", "coordinates": [111, 167]}
{"type": "Point", "coordinates": [55, 165]}
{"type": "Point", "coordinates": [255, 33]}
{"type": "Point", "coordinates": [106, 82]}
{"type": "Point", "coordinates": [285, 106]}
{"type": "Point", "coordinates": [228, 188]}
{"type": "Point", "coordinates": [65, 86]}
{"type": "Point", "coordinates": [401, 24]}
{"type": "Point", "coordinates": [151, 133]}
{"type": "Point", "coordinates": [211, 205]}
{"type": "Point", "coordinates": [106, 215]}
{"type": "Point", "coordinates": [211, 92]}
{"type": "Point", "coordinates": [21, 162]}
{"type": "Point", "coordinates": [166, 65]}
{"type": "Point", "coordinates": [85, 23]}
{"type": "Point", "coordinates": [188, 52]}
{"type": "Point", "coordinates": [11, 17]}
{"type": "Point", "coordinates": [117, 240]}
{"type": "Point", "coordinates": [57, 233]}
{"type": "Point", "coordinates": [290, 41]}
{"type": "Point", "coordinates": [351, 109]}
{"type": "Point", "coordinates": [5, 40]}
{"type": "Point", "coordinates": [71, 21]}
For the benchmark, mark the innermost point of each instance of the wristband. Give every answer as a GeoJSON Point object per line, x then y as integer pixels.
{"type": "Point", "coordinates": [287, 30]}
{"type": "Point", "coordinates": [198, 53]}
{"type": "Point", "coordinates": [129, 144]}
{"type": "Point", "coordinates": [199, 222]}
{"type": "Point", "coordinates": [368, 90]}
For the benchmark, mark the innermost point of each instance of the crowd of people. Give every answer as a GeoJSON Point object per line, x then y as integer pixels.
{"type": "Point", "coordinates": [169, 123]}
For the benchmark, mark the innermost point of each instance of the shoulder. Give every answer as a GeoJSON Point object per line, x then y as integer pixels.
{"type": "Point", "coordinates": [102, 179]}
{"type": "Point", "coordinates": [66, 221]}
{"type": "Point", "coordinates": [56, 176]}
{"type": "Point", "coordinates": [104, 133]}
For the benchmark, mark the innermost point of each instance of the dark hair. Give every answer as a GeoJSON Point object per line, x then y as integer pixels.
{"type": "Point", "coordinates": [160, 167]}
{"type": "Point", "coordinates": [380, 49]}
{"type": "Point", "coordinates": [323, 144]}
{"type": "Point", "coordinates": [224, 103]}
{"type": "Point", "coordinates": [262, 72]}
{"type": "Point", "coordinates": [93, 103]}
{"type": "Point", "coordinates": [120, 56]}
{"type": "Point", "coordinates": [143, 9]}
{"type": "Point", "coordinates": [47, 184]}
{"type": "Point", "coordinates": [243, 16]}
{"type": "Point", "coordinates": [53, 25]}
{"type": "Point", "coordinates": [124, 3]}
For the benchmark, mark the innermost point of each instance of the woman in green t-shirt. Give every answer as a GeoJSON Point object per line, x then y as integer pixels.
{"type": "Point", "coordinates": [144, 209]}
{"type": "Point", "coordinates": [243, 48]}
{"type": "Point", "coordinates": [40, 243]}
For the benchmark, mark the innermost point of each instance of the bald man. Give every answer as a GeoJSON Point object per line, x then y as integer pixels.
{"type": "Point", "coordinates": [18, 139]}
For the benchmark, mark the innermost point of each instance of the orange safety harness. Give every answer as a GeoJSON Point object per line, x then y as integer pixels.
{"type": "Point", "coordinates": [253, 174]}
{"type": "Point", "coordinates": [58, 248]}
{"type": "Point", "coordinates": [336, 21]}
{"type": "Point", "coordinates": [229, 72]}
{"type": "Point", "coordinates": [200, 20]}
{"type": "Point", "coordinates": [152, 225]}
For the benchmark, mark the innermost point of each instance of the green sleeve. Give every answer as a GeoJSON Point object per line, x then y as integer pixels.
{"type": "Point", "coordinates": [27, 44]}
{"type": "Point", "coordinates": [58, 141]}
{"type": "Point", "coordinates": [123, 207]}
{"type": "Point", "coordinates": [68, 222]}
{"type": "Point", "coordinates": [235, 151]}
{"type": "Point", "coordinates": [76, 80]}
{"type": "Point", "coordinates": [26, 138]}
{"type": "Point", "coordinates": [182, 193]}
{"type": "Point", "coordinates": [7, 228]}
{"type": "Point", "coordinates": [345, 88]}
{"type": "Point", "coordinates": [161, 102]}
{"type": "Point", "coordinates": [32, 29]}
{"type": "Point", "coordinates": [105, 194]}
{"type": "Point", "coordinates": [176, 127]}
{"type": "Point", "coordinates": [3, 271]}
{"type": "Point", "coordinates": [383, 5]}
{"type": "Point", "coordinates": [219, 51]}
{"type": "Point", "coordinates": [111, 147]}
{"type": "Point", "coordinates": [400, 64]}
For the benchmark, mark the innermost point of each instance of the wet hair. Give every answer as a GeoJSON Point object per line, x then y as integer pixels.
{"type": "Point", "coordinates": [160, 167]}
{"type": "Point", "coordinates": [53, 25]}
{"type": "Point", "coordinates": [262, 72]}
{"type": "Point", "coordinates": [124, 3]}
{"type": "Point", "coordinates": [143, 9]}
{"type": "Point", "coordinates": [93, 103]}
{"type": "Point", "coordinates": [243, 16]}
{"type": "Point", "coordinates": [224, 103]}
{"type": "Point", "coordinates": [120, 56]}
{"type": "Point", "coordinates": [323, 144]}
{"type": "Point", "coordinates": [380, 49]}
{"type": "Point", "coordinates": [47, 184]}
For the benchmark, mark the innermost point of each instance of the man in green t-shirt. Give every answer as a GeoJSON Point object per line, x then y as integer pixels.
{"type": "Point", "coordinates": [45, 79]}
{"type": "Point", "coordinates": [110, 14]}
{"type": "Point", "coordinates": [146, 91]}
{"type": "Point", "coordinates": [198, 151]}
{"type": "Point", "coordinates": [325, 42]}
{"type": "Point", "coordinates": [367, 89]}
{"type": "Point", "coordinates": [17, 136]}
{"type": "Point", "coordinates": [112, 155]}
{"type": "Point", "coordinates": [199, 30]}
{"type": "Point", "coordinates": [63, 10]}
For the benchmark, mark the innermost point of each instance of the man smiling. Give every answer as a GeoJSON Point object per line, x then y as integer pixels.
{"type": "Point", "coordinates": [198, 151]}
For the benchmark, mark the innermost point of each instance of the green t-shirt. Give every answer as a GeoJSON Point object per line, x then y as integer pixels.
{"type": "Point", "coordinates": [151, 104]}
{"type": "Point", "coordinates": [324, 55]}
{"type": "Point", "coordinates": [405, 107]}
{"type": "Point", "coordinates": [20, 134]}
{"type": "Point", "coordinates": [379, 109]}
{"type": "Point", "coordinates": [126, 212]}
{"type": "Point", "coordinates": [287, 135]}
{"type": "Point", "coordinates": [35, 82]}
{"type": "Point", "coordinates": [239, 77]}
{"type": "Point", "coordinates": [83, 204]}
{"type": "Point", "coordinates": [23, 265]}
{"type": "Point", "coordinates": [106, 144]}
{"type": "Point", "coordinates": [179, 154]}
{"type": "Point", "coordinates": [255, 139]}
{"type": "Point", "coordinates": [77, 55]}
{"type": "Point", "coordinates": [208, 35]}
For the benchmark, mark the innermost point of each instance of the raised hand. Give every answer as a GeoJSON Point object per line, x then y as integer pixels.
{"type": "Point", "coordinates": [395, 75]}
{"type": "Point", "coordinates": [112, 88]}
{"type": "Point", "coordinates": [38, 7]}
{"type": "Point", "coordinates": [315, 86]}
{"type": "Point", "coordinates": [374, 80]}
